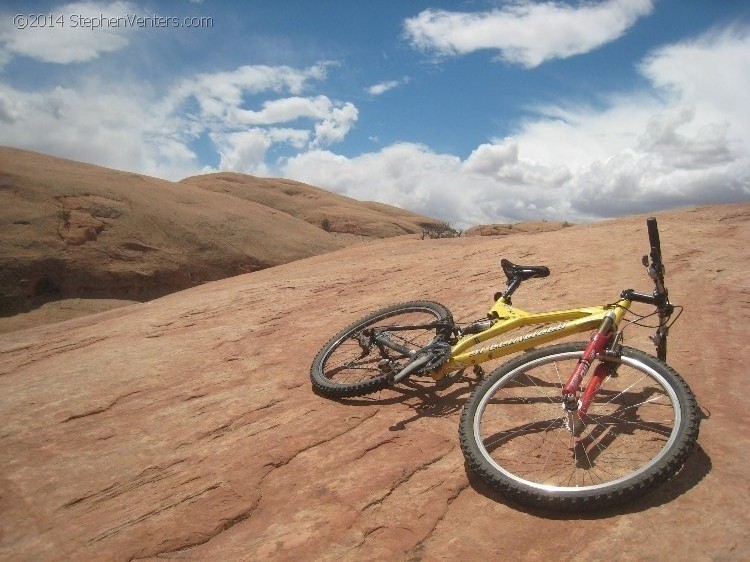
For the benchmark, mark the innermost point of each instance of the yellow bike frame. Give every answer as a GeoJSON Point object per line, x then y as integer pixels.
{"type": "Point", "coordinates": [557, 325]}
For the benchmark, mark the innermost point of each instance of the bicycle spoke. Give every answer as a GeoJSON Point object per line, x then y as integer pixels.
{"type": "Point", "coordinates": [617, 436]}
{"type": "Point", "coordinates": [357, 357]}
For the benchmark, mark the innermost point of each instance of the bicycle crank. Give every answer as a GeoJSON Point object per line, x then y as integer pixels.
{"type": "Point", "coordinates": [411, 367]}
{"type": "Point", "coordinates": [429, 357]}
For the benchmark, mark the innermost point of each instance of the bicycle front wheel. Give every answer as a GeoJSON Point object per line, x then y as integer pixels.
{"type": "Point", "coordinates": [351, 364]}
{"type": "Point", "coordinates": [639, 430]}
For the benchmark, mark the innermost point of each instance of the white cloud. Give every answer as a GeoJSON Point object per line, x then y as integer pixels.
{"type": "Point", "coordinates": [695, 147]}
{"type": "Point", "coordinates": [227, 88]}
{"type": "Point", "coordinates": [336, 125]}
{"type": "Point", "coordinates": [10, 107]}
{"type": "Point", "coordinates": [383, 87]}
{"type": "Point", "coordinates": [243, 151]}
{"type": "Point", "coordinates": [332, 121]}
{"type": "Point", "coordinates": [709, 147]}
{"type": "Point", "coordinates": [222, 110]}
{"type": "Point", "coordinates": [711, 73]}
{"type": "Point", "coordinates": [686, 141]}
{"type": "Point", "coordinates": [404, 174]}
{"type": "Point", "coordinates": [500, 161]}
{"type": "Point", "coordinates": [129, 128]}
{"type": "Point", "coordinates": [284, 110]}
{"type": "Point", "coordinates": [441, 185]}
{"type": "Point", "coordinates": [526, 33]}
{"type": "Point", "coordinates": [104, 128]}
{"type": "Point", "coordinates": [77, 32]}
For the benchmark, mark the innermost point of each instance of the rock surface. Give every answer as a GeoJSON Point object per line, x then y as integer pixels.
{"type": "Point", "coordinates": [186, 428]}
{"type": "Point", "coordinates": [57, 311]}
{"type": "Point", "coordinates": [73, 230]}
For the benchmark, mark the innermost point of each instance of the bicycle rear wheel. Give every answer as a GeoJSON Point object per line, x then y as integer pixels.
{"type": "Point", "coordinates": [639, 430]}
{"type": "Point", "coordinates": [351, 364]}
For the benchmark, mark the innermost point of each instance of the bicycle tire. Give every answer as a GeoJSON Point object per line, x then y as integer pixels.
{"type": "Point", "coordinates": [322, 373]}
{"type": "Point", "coordinates": [607, 463]}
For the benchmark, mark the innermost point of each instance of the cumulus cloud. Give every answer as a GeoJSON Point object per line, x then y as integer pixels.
{"type": "Point", "coordinates": [217, 90]}
{"type": "Point", "coordinates": [666, 167]}
{"type": "Point", "coordinates": [243, 151]}
{"type": "Point", "coordinates": [662, 139]}
{"type": "Point", "coordinates": [526, 33]}
{"type": "Point", "coordinates": [128, 128]}
{"type": "Point", "coordinates": [68, 38]}
{"type": "Point", "coordinates": [711, 72]}
{"type": "Point", "coordinates": [684, 141]}
{"type": "Point", "coordinates": [236, 128]}
{"type": "Point", "coordinates": [110, 127]}
{"type": "Point", "coordinates": [405, 174]}
{"type": "Point", "coordinates": [695, 147]}
{"type": "Point", "coordinates": [500, 161]}
{"type": "Point", "coordinates": [335, 127]}
{"type": "Point", "coordinates": [442, 185]}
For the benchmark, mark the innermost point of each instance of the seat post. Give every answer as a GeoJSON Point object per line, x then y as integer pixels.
{"type": "Point", "coordinates": [512, 286]}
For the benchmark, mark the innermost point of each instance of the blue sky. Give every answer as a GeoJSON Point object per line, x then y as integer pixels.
{"type": "Point", "coordinates": [471, 111]}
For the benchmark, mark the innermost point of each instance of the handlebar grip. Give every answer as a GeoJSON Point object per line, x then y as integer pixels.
{"type": "Point", "coordinates": [653, 238]}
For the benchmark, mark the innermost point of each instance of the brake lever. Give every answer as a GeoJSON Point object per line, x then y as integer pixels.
{"type": "Point", "coordinates": [658, 337]}
{"type": "Point", "coordinates": [654, 272]}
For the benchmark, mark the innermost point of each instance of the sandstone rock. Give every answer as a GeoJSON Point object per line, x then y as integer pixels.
{"type": "Point", "coordinates": [73, 230]}
{"type": "Point", "coordinates": [57, 311]}
{"type": "Point", "coordinates": [330, 211]}
{"type": "Point", "coordinates": [185, 427]}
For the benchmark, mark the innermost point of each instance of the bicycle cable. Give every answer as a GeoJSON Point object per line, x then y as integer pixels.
{"type": "Point", "coordinates": [640, 317]}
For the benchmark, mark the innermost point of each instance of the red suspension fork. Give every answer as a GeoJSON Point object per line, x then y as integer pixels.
{"type": "Point", "coordinates": [596, 347]}
{"type": "Point", "coordinates": [600, 373]}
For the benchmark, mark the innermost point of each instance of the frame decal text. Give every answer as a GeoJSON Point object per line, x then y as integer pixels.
{"type": "Point", "coordinates": [531, 335]}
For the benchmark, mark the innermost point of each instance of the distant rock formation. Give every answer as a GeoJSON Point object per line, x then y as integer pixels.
{"type": "Point", "coordinates": [515, 228]}
{"type": "Point", "coordinates": [73, 230]}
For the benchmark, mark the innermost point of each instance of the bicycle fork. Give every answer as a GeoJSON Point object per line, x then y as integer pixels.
{"type": "Point", "coordinates": [576, 406]}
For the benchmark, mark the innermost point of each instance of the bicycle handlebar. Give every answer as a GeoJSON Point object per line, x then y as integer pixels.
{"type": "Point", "coordinates": [653, 238]}
{"type": "Point", "coordinates": [660, 296]}
{"type": "Point", "coordinates": [656, 269]}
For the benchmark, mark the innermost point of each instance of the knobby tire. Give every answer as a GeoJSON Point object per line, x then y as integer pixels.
{"type": "Point", "coordinates": [338, 371]}
{"type": "Point", "coordinates": [641, 428]}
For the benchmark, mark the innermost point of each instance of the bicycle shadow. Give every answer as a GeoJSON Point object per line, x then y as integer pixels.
{"type": "Point", "coordinates": [446, 398]}
{"type": "Point", "coordinates": [695, 469]}
{"type": "Point", "coordinates": [424, 397]}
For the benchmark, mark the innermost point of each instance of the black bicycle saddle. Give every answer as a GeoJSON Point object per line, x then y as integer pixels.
{"type": "Point", "coordinates": [525, 272]}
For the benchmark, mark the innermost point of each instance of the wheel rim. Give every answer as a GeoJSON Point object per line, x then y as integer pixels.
{"type": "Point", "coordinates": [343, 364]}
{"type": "Point", "coordinates": [520, 427]}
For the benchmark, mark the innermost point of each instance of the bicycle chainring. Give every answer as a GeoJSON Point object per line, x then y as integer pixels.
{"type": "Point", "coordinates": [439, 352]}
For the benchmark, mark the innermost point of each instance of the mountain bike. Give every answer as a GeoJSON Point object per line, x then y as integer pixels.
{"type": "Point", "coordinates": [569, 426]}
